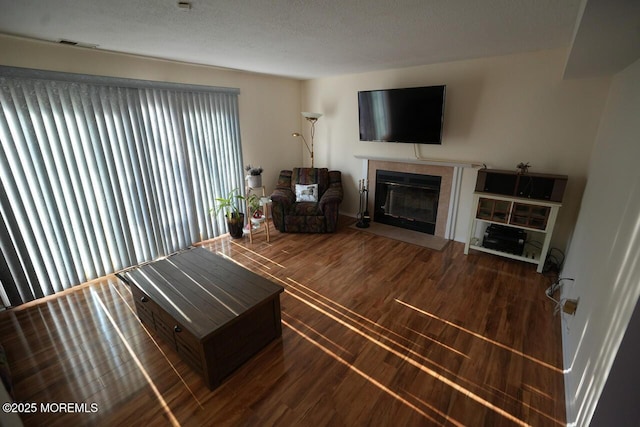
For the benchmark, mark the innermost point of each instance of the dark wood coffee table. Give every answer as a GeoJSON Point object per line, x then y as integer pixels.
{"type": "Point", "coordinates": [215, 313]}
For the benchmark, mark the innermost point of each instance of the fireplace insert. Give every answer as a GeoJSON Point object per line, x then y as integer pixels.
{"type": "Point", "coordinates": [407, 200]}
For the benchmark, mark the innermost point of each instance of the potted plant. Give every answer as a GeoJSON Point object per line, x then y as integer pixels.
{"type": "Point", "coordinates": [230, 206]}
{"type": "Point", "coordinates": [255, 209]}
{"type": "Point", "coordinates": [254, 176]}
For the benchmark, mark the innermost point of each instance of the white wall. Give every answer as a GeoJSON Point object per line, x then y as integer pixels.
{"type": "Point", "coordinates": [499, 111]}
{"type": "Point", "coordinates": [604, 255]}
{"type": "Point", "coordinates": [269, 106]}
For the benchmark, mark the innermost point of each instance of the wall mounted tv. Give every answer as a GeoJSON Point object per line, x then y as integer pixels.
{"type": "Point", "coordinates": [412, 115]}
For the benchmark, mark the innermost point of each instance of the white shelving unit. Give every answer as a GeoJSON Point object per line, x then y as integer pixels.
{"type": "Point", "coordinates": [536, 217]}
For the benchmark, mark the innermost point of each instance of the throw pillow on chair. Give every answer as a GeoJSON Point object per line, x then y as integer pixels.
{"type": "Point", "coordinates": [306, 192]}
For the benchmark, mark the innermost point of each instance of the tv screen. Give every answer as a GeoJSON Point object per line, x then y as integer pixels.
{"type": "Point", "coordinates": [411, 115]}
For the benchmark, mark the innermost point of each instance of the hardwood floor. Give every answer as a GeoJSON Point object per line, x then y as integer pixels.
{"type": "Point", "coordinates": [376, 332]}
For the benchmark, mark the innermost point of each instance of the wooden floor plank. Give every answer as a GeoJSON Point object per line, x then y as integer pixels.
{"type": "Point", "coordinates": [375, 332]}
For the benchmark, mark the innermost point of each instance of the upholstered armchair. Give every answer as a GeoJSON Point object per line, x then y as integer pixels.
{"type": "Point", "coordinates": [306, 200]}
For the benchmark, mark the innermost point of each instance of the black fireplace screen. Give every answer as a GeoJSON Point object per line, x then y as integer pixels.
{"type": "Point", "coordinates": [407, 200]}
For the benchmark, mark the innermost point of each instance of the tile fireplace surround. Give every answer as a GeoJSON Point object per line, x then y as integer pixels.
{"type": "Point", "coordinates": [449, 187]}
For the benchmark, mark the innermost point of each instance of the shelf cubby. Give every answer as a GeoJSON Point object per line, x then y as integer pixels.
{"type": "Point", "coordinates": [536, 217]}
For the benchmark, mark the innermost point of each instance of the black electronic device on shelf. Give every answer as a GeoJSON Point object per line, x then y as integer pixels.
{"type": "Point", "coordinates": [504, 239]}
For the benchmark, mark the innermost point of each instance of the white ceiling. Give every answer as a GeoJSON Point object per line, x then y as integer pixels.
{"type": "Point", "coordinates": [298, 38]}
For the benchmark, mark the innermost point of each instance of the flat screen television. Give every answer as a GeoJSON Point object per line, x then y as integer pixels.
{"type": "Point", "coordinates": [411, 115]}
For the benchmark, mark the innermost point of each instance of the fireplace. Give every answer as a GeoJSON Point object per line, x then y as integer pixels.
{"type": "Point", "coordinates": [407, 200]}
{"type": "Point", "coordinates": [451, 177]}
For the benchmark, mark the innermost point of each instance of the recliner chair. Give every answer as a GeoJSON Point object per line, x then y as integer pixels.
{"type": "Point", "coordinates": [306, 200]}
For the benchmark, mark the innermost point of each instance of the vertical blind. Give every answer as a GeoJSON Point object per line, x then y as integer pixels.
{"type": "Point", "coordinates": [96, 177]}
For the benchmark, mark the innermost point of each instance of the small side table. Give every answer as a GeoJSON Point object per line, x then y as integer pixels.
{"type": "Point", "coordinates": [265, 202]}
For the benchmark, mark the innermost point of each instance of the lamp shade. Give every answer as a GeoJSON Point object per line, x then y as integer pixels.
{"type": "Point", "coordinates": [308, 115]}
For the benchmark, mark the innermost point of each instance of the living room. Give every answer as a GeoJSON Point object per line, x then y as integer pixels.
{"type": "Point", "coordinates": [500, 111]}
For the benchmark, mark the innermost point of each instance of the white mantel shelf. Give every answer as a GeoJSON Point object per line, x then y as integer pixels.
{"type": "Point", "coordinates": [434, 162]}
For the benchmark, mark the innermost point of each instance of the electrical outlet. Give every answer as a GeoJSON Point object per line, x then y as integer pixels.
{"type": "Point", "coordinates": [570, 306]}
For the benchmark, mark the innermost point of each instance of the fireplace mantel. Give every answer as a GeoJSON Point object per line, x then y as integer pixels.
{"type": "Point", "coordinates": [433, 162]}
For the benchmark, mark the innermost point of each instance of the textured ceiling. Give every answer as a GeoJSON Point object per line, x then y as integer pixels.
{"type": "Point", "coordinates": [297, 38]}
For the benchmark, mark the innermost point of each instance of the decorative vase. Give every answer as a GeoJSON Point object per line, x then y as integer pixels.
{"type": "Point", "coordinates": [235, 225]}
{"type": "Point", "coordinates": [254, 181]}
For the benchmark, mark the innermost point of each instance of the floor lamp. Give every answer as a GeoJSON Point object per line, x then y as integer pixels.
{"type": "Point", "coordinates": [311, 118]}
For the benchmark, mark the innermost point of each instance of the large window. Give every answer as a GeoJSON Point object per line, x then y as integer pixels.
{"type": "Point", "coordinates": [100, 174]}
